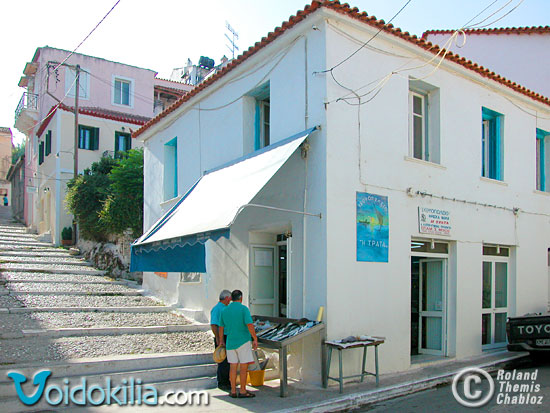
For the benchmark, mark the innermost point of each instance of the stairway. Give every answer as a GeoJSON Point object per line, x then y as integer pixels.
{"type": "Point", "coordinates": [57, 312]}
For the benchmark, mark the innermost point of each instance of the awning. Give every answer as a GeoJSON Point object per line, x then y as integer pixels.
{"type": "Point", "coordinates": [175, 243]}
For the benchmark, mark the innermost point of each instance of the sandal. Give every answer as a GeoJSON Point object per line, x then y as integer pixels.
{"type": "Point", "coordinates": [246, 395]}
{"type": "Point", "coordinates": [233, 395]}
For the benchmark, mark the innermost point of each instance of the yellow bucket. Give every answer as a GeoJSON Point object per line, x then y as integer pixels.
{"type": "Point", "coordinates": [256, 378]}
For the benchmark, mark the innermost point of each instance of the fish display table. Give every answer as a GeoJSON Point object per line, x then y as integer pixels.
{"type": "Point", "coordinates": [353, 342]}
{"type": "Point", "coordinates": [278, 333]}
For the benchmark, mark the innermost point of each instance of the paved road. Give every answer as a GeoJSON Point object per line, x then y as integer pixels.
{"type": "Point", "coordinates": [442, 400]}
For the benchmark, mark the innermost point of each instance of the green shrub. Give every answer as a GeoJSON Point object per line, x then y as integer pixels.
{"type": "Point", "coordinates": [123, 208]}
{"type": "Point", "coordinates": [67, 234]}
{"type": "Point", "coordinates": [86, 195]}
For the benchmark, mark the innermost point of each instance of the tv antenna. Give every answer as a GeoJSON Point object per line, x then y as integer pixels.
{"type": "Point", "coordinates": [234, 36]}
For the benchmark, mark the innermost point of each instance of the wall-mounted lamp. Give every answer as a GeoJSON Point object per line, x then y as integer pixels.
{"type": "Point", "coordinates": [57, 154]}
{"type": "Point", "coordinates": [47, 189]}
{"type": "Point", "coordinates": [123, 129]}
{"type": "Point", "coordinates": [432, 244]}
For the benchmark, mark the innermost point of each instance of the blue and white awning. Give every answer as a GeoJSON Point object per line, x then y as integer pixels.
{"type": "Point", "coordinates": [175, 243]}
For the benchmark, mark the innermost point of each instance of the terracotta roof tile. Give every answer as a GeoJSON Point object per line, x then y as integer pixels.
{"type": "Point", "coordinates": [95, 112]}
{"type": "Point", "coordinates": [497, 30]}
{"type": "Point", "coordinates": [354, 13]}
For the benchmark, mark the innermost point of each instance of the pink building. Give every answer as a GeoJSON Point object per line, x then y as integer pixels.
{"type": "Point", "coordinates": [114, 99]}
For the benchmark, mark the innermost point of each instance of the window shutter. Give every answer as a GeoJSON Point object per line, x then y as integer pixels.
{"type": "Point", "coordinates": [41, 153]}
{"type": "Point", "coordinates": [116, 143]}
{"type": "Point", "coordinates": [128, 142]}
{"type": "Point", "coordinates": [48, 142]}
{"type": "Point", "coordinates": [95, 146]}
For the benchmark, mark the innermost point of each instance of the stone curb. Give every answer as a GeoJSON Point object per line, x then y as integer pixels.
{"type": "Point", "coordinates": [76, 293]}
{"type": "Point", "coordinates": [16, 281]}
{"type": "Point", "coordinates": [55, 271]}
{"type": "Point", "coordinates": [137, 309]}
{"type": "Point", "coordinates": [46, 262]}
{"type": "Point", "coordinates": [362, 399]}
{"type": "Point", "coordinates": [105, 331]}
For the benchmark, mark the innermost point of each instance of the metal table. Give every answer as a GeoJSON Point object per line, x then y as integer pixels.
{"type": "Point", "coordinates": [282, 346]}
{"type": "Point", "coordinates": [376, 341]}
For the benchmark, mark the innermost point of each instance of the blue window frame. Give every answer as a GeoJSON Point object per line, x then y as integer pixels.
{"type": "Point", "coordinates": [123, 143]}
{"type": "Point", "coordinates": [262, 116]}
{"type": "Point", "coordinates": [171, 169]}
{"type": "Point", "coordinates": [541, 159]}
{"type": "Point", "coordinates": [491, 145]}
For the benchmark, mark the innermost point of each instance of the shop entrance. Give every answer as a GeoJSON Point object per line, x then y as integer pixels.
{"type": "Point", "coordinates": [428, 298]}
{"type": "Point", "coordinates": [269, 270]}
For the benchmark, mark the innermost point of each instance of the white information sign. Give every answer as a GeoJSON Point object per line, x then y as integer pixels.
{"type": "Point", "coordinates": [434, 221]}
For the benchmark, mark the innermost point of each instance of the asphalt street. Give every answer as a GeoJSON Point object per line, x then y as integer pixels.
{"type": "Point", "coordinates": [536, 388]}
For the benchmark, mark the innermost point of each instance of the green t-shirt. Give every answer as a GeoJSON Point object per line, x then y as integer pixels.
{"type": "Point", "coordinates": [234, 320]}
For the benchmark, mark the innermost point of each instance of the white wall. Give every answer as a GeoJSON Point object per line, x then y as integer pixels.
{"type": "Point", "coordinates": [374, 298]}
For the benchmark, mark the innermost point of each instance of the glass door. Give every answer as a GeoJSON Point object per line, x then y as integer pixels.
{"type": "Point", "coordinates": [432, 326]}
{"type": "Point", "coordinates": [494, 304]}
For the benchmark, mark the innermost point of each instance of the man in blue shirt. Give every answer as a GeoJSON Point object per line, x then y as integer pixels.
{"type": "Point", "coordinates": [215, 315]}
{"type": "Point", "coordinates": [237, 323]}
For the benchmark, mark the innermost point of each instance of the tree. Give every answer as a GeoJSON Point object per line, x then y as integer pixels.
{"type": "Point", "coordinates": [17, 152]}
{"type": "Point", "coordinates": [86, 195]}
{"type": "Point", "coordinates": [123, 208]}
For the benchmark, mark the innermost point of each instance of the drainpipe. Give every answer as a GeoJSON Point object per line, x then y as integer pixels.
{"type": "Point", "coordinates": [305, 148]}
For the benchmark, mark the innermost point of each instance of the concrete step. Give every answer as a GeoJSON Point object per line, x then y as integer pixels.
{"type": "Point", "coordinates": [102, 331]}
{"type": "Point", "coordinates": [23, 260]}
{"type": "Point", "coordinates": [110, 364]}
{"type": "Point", "coordinates": [12, 404]}
{"type": "Point", "coordinates": [25, 243]}
{"type": "Point", "coordinates": [30, 268]}
{"type": "Point", "coordinates": [99, 281]}
{"type": "Point", "coordinates": [51, 252]}
{"type": "Point", "coordinates": [103, 293]}
{"type": "Point", "coordinates": [136, 309]}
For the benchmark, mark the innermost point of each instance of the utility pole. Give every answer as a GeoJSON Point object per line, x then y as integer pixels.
{"type": "Point", "coordinates": [75, 166]}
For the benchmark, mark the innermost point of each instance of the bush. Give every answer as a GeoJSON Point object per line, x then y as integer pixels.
{"type": "Point", "coordinates": [67, 234]}
{"type": "Point", "coordinates": [86, 195]}
{"type": "Point", "coordinates": [123, 207]}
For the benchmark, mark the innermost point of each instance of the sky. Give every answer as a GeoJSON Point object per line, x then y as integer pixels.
{"type": "Point", "coordinates": [162, 34]}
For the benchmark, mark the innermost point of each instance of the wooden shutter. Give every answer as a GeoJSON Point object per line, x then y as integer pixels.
{"type": "Point", "coordinates": [48, 142]}
{"type": "Point", "coordinates": [41, 153]}
{"type": "Point", "coordinates": [95, 139]}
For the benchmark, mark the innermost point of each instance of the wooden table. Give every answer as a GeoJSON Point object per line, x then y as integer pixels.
{"type": "Point", "coordinates": [356, 344]}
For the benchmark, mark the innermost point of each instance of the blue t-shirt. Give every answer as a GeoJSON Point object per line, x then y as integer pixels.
{"type": "Point", "coordinates": [234, 320]}
{"type": "Point", "coordinates": [216, 312]}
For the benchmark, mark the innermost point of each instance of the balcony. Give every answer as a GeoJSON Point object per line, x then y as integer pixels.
{"type": "Point", "coordinates": [26, 114]}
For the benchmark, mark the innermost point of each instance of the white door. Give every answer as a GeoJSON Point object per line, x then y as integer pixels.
{"type": "Point", "coordinates": [263, 281]}
{"type": "Point", "coordinates": [432, 328]}
{"type": "Point", "coordinates": [494, 302]}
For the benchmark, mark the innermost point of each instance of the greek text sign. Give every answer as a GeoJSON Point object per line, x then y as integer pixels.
{"type": "Point", "coordinates": [434, 221]}
{"type": "Point", "coordinates": [373, 227]}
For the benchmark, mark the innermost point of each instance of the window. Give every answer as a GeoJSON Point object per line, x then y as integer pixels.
{"type": "Point", "coordinates": [542, 160]}
{"type": "Point", "coordinates": [83, 85]}
{"type": "Point", "coordinates": [171, 169]}
{"type": "Point", "coordinates": [123, 143]}
{"type": "Point", "coordinates": [491, 144]}
{"type": "Point", "coordinates": [41, 153]}
{"type": "Point", "coordinates": [262, 116]}
{"type": "Point", "coordinates": [123, 91]}
{"type": "Point", "coordinates": [48, 148]}
{"type": "Point", "coordinates": [424, 121]}
{"type": "Point", "coordinates": [190, 277]}
{"type": "Point", "coordinates": [88, 138]}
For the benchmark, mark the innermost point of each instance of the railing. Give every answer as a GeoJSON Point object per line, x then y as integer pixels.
{"type": "Point", "coordinates": [27, 101]}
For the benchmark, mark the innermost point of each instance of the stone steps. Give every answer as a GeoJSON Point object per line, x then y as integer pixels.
{"type": "Point", "coordinates": [102, 331]}
{"type": "Point", "coordinates": [163, 371]}
{"type": "Point", "coordinates": [24, 264]}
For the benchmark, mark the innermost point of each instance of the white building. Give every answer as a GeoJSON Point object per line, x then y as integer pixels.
{"type": "Point", "coordinates": [423, 170]}
{"type": "Point", "coordinates": [510, 51]}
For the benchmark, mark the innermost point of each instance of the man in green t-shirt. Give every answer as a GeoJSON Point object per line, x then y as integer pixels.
{"type": "Point", "coordinates": [236, 323]}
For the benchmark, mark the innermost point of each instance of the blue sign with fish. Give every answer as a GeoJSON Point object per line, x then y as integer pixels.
{"type": "Point", "coordinates": [373, 227]}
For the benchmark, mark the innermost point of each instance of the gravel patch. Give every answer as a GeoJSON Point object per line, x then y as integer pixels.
{"type": "Point", "coordinates": [85, 320]}
{"type": "Point", "coordinates": [16, 287]}
{"type": "Point", "coordinates": [45, 350]}
{"type": "Point", "coordinates": [31, 259]}
{"type": "Point", "coordinates": [8, 275]}
{"type": "Point", "coordinates": [30, 300]}
{"type": "Point", "coordinates": [41, 267]}
{"type": "Point", "coordinates": [8, 302]}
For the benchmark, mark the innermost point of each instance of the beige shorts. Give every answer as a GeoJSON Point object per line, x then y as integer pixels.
{"type": "Point", "coordinates": [242, 355]}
